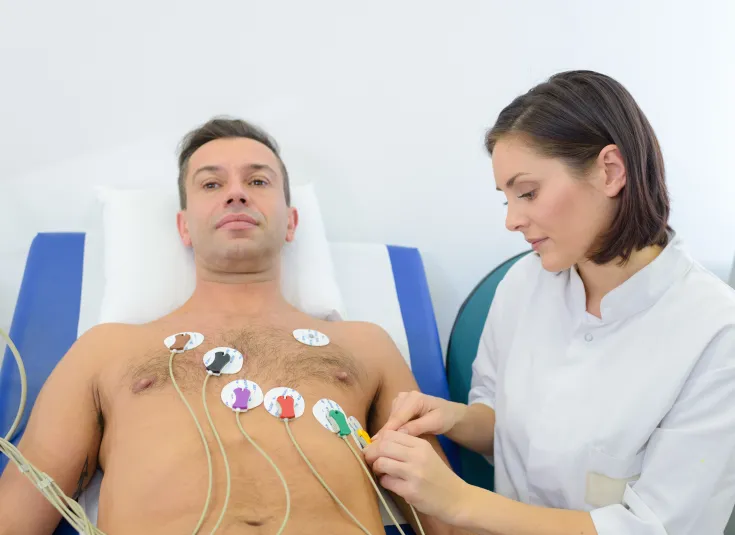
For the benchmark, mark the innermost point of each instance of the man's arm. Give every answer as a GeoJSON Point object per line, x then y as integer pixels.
{"type": "Point", "coordinates": [62, 439]}
{"type": "Point", "coordinates": [396, 377]}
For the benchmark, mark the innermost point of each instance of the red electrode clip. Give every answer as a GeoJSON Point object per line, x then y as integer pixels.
{"type": "Point", "coordinates": [287, 409]}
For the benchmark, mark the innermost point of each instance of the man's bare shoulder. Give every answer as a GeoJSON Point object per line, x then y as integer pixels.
{"type": "Point", "coordinates": [357, 328]}
{"type": "Point", "coordinates": [104, 337]}
{"type": "Point", "coordinates": [107, 331]}
{"type": "Point", "coordinates": [366, 337]}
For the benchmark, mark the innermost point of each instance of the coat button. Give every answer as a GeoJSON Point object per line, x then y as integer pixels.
{"type": "Point", "coordinates": [588, 337]}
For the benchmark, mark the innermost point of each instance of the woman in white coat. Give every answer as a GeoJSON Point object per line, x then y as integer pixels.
{"type": "Point", "coordinates": [603, 390]}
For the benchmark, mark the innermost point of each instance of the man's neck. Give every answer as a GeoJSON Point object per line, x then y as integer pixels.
{"type": "Point", "coordinates": [236, 295]}
{"type": "Point", "coordinates": [599, 280]}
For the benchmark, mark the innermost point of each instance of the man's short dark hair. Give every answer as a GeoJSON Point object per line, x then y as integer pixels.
{"type": "Point", "coordinates": [573, 116]}
{"type": "Point", "coordinates": [222, 128]}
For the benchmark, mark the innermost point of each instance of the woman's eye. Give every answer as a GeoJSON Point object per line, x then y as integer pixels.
{"type": "Point", "coordinates": [530, 195]}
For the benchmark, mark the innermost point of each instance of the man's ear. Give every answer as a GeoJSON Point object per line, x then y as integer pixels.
{"type": "Point", "coordinates": [293, 222]}
{"type": "Point", "coordinates": [611, 162]}
{"type": "Point", "coordinates": [183, 228]}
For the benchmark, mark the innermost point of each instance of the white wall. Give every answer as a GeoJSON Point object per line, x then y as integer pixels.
{"type": "Point", "coordinates": [383, 105]}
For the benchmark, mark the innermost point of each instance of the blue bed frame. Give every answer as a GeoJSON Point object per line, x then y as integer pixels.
{"type": "Point", "coordinates": [46, 320]}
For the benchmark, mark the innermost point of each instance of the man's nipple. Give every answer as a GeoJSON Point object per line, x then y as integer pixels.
{"type": "Point", "coordinates": [142, 384]}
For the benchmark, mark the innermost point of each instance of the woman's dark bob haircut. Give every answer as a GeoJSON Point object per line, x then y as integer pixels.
{"type": "Point", "coordinates": [573, 116]}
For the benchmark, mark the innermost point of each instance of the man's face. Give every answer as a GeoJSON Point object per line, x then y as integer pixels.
{"type": "Point", "coordinates": [236, 218]}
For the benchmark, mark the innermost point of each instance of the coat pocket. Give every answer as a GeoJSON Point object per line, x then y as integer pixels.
{"type": "Point", "coordinates": [608, 476]}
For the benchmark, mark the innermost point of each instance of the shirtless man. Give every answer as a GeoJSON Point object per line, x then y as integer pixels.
{"type": "Point", "coordinates": [111, 404]}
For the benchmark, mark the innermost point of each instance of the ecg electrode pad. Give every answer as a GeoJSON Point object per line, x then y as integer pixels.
{"type": "Point", "coordinates": [321, 413]}
{"type": "Point", "coordinates": [311, 337]}
{"type": "Point", "coordinates": [242, 395]}
{"type": "Point", "coordinates": [223, 360]}
{"type": "Point", "coordinates": [282, 396]}
{"type": "Point", "coordinates": [358, 433]}
{"type": "Point", "coordinates": [184, 341]}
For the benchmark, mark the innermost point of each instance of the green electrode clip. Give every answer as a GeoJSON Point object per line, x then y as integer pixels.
{"type": "Point", "coordinates": [339, 419]}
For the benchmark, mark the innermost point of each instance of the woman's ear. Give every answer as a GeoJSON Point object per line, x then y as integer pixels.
{"type": "Point", "coordinates": [612, 164]}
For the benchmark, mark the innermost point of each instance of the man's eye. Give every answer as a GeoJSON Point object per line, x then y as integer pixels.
{"type": "Point", "coordinates": [209, 185]}
{"type": "Point", "coordinates": [258, 182]}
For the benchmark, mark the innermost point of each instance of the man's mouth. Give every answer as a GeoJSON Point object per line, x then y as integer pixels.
{"type": "Point", "coordinates": [237, 221]}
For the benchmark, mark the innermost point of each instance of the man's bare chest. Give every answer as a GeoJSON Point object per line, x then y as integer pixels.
{"type": "Point", "coordinates": [271, 356]}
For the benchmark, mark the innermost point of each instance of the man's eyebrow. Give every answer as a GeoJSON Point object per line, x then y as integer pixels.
{"type": "Point", "coordinates": [211, 168]}
{"type": "Point", "coordinates": [512, 180]}
{"type": "Point", "coordinates": [260, 167]}
{"type": "Point", "coordinates": [251, 167]}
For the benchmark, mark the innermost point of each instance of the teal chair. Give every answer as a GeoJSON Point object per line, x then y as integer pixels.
{"type": "Point", "coordinates": [463, 343]}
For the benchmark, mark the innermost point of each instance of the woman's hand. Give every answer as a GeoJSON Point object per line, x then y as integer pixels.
{"type": "Point", "coordinates": [419, 414]}
{"type": "Point", "coordinates": [411, 468]}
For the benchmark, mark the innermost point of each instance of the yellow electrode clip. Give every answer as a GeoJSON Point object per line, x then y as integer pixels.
{"type": "Point", "coordinates": [363, 438]}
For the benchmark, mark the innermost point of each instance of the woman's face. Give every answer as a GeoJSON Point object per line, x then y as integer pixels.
{"type": "Point", "coordinates": [559, 214]}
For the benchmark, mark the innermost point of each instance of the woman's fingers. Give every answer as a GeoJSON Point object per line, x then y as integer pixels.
{"type": "Point", "coordinates": [394, 484]}
{"type": "Point", "coordinates": [406, 407]}
{"type": "Point", "coordinates": [398, 400]}
{"type": "Point", "coordinates": [423, 480]}
{"type": "Point", "coordinates": [393, 445]}
{"type": "Point", "coordinates": [427, 424]}
{"type": "Point", "coordinates": [390, 467]}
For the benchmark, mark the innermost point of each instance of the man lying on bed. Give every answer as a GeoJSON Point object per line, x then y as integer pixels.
{"type": "Point", "coordinates": [110, 403]}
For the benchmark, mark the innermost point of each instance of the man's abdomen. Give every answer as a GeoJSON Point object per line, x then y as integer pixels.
{"type": "Point", "coordinates": [156, 474]}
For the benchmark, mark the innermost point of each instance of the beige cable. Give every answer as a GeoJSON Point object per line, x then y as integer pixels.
{"type": "Point", "coordinates": [324, 484]}
{"type": "Point", "coordinates": [377, 490]}
{"type": "Point", "coordinates": [204, 441]}
{"type": "Point", "coordinates": [23, 385]}
{"type": "Point", "coordinates": [416, 516]}
{"type": "Point", "coordinates": [222, 450]}
{"type": "Point", "coordinates": [273, 464]}
{"type": "Point", "coordinates": [69, 509]}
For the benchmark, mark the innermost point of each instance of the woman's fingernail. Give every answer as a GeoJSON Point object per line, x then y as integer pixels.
{"type": "Point", "coordinates": [402, 430]}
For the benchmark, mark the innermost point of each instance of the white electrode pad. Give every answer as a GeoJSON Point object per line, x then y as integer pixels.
{"type": "Point", "coordinates": [214, 358]}
{"type": "Point", "coordinates": [321, 413]}
{"type": "Point", "coordinates": [242, 395]}
{"type": "Point", "coordinates": [292, 400]}
{"type": "Point", "coordinates": [185, 341]}
{"type": "Point", "coordinates": [354, 424]}
{"type": "Point", "coordinates": [311, 337]}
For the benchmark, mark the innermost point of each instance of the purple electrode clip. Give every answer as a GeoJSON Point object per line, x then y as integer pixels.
{"type": "Point", "coordinates": [242, 396]}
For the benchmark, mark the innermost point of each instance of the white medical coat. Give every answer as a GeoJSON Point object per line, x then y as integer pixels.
{"type": "Point", "coordinates": [631, 416]}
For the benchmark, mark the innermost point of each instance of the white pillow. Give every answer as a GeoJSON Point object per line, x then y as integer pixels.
{"type": "Point", "coordinates": [149, 272]}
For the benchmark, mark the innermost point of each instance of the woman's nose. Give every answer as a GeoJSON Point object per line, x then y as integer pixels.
{"type": "Point", "coordinates": [515, 220]}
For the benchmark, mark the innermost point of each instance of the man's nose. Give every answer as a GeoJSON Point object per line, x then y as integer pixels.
{"type": "Point", "coordinates": [237, 194]}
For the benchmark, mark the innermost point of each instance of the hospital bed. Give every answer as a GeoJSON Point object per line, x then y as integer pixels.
{"type": "Point", "coordinates": [60, 298]}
